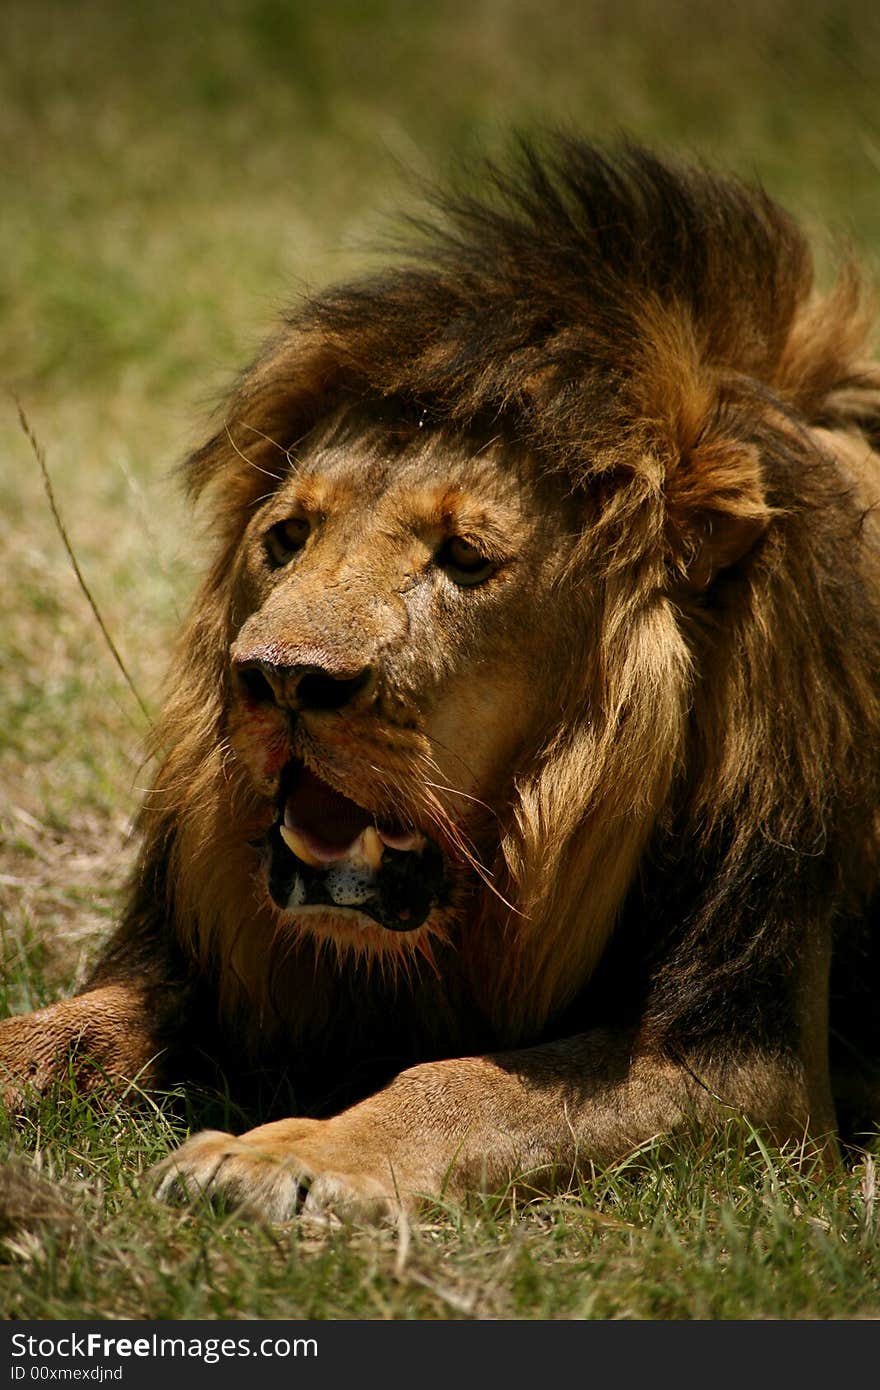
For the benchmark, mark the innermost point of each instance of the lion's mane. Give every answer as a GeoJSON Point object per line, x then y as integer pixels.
{"type": "Point", "coordinates": [652, 334]}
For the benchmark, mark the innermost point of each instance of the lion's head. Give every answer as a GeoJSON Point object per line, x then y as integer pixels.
{"type": "Point", "coordinates": [388, 680]}
{"type": "Point", "coordinates": [460, 651]}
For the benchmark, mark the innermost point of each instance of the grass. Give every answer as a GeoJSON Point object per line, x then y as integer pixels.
{"type": "Point", "coordinates": [171, 175]}
{"type": "Point", "coordinates": [727, 1232]}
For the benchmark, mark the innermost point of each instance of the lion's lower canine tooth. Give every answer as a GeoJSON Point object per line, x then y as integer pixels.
{"type": "Point", "coordinates": [372, 847]}
{"type": "Point", "coordinates": [297, 845]}
{"type": "Point", "coordinates": [407, 841]}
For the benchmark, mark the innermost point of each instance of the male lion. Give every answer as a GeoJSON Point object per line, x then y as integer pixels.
{"type": "Point", "coordinates": [518, 786]}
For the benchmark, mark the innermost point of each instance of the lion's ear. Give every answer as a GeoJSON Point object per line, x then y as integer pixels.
{"type": "Point", "coordinates": [716, 509]}
{"type": "Point", "coordinates": [278, 400]}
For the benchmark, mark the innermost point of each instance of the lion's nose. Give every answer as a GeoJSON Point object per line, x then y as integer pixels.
{"type": "Point", "coordinates": [301, 687]}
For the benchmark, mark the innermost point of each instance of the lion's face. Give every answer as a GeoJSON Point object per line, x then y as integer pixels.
{"type": "Point", "coordinates": [399, 651]}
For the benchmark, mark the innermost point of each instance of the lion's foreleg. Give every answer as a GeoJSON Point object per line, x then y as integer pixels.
{"type": "Point", "coordinates": [535, 1119]}
{"type": "Point", "coordinates": [105, 1035]}
{"type": "Point", "coordinates": [546, 1114]}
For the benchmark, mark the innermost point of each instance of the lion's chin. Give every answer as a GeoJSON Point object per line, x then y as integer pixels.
{"type": "Point", "coordinates": [351, 934]}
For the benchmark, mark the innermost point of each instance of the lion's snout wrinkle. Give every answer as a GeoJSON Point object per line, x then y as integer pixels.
{"type": "Point", "coordinates": [303, 686]}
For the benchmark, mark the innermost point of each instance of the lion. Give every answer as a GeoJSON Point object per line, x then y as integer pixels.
{"type": "Point", "coordinates": [517, 790]}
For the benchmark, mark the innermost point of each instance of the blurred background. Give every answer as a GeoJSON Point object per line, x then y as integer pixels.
{"type": "Point", "coordinates": [173, 173]}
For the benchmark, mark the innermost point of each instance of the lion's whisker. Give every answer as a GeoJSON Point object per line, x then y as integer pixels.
{"type": "Point", "coordinates": [246, 424]}
{"type": "Point", "coordinates": [453, 834]}
{"type": "Point", "coordinates": [432, 761]}
{"type": "Point", "coordinates": [276, 477]}
{"type": "Point", "coordinates": [455, 791]}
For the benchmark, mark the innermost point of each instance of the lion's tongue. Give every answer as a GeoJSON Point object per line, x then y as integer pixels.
{"type": "Point", "coordinates": [327, 820]}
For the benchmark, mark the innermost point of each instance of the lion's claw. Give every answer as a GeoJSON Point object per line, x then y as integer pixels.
{"type": "Point", "coordinates": [232, 1172]}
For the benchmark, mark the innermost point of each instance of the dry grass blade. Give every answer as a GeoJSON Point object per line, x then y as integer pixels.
{"type": "Point", "coordinates": [869, 1191]}
{"type": "Point", "coordinates": [40, 455]}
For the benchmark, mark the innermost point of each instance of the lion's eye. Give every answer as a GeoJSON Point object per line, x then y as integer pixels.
{"type": "Point", "coordinates": [463, 562]}
{"type": "Point", "coordinates": [285, 538]}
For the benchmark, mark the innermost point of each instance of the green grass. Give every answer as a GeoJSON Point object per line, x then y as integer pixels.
{"type": "Point", "coordinates": [171, 175]}
{"type": "Point", "coordinates": [726, 1232]}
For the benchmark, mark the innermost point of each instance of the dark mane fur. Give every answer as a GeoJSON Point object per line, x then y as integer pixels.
{"type": "Point", "coordinates": [546, 275]}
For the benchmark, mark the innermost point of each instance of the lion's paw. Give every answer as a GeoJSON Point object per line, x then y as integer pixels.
{"type": "Point", "coordinates": [225, 1170]}
{"type": "Point", "coordinates": [272, 1182]}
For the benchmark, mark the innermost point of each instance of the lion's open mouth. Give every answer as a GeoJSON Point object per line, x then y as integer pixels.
{"type": "Point", "coordinates": [325, 850]}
